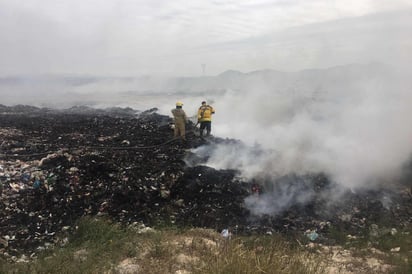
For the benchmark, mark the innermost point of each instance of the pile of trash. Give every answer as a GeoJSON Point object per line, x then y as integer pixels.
{"type": "Point", "coordinates": [59, 165]}
{"type": "Point", "coordinates": [56, 166]}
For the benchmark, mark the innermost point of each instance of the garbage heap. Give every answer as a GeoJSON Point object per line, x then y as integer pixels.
{"type": "Point", "coordinates": [59, 165]}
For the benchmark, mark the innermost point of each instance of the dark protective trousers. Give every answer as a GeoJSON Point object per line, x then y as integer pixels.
{"type": "Point", "coordinates": [205, 125]}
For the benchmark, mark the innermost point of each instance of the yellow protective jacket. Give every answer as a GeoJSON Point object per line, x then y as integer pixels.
{"type": "Point", "coordinates": [204, 114]}
{"type": "Point", "coordinates": [179, 116]}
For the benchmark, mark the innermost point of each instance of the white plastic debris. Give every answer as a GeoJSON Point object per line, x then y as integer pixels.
{"type": "Point", "coordinates": [312, 235]}
{"type": "Point", "coordinates": [226, 234]}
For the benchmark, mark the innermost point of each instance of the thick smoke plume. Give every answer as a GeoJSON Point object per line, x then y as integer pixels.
{"type": "Point", "coordinates": [351, 123]}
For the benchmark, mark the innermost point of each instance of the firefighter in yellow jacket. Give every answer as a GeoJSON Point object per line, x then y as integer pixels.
{"type": "Point", "coordinates": [180, 120]}
{"type": "Point", "coordinates": [204, 117]}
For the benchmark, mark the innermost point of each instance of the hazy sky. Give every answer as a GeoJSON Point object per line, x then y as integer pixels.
{"type": "Point", "coordinates": [174, 37]}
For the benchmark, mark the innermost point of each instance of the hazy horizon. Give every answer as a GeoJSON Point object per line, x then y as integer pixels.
{"type": "Point", "coordinates": [342, 108]}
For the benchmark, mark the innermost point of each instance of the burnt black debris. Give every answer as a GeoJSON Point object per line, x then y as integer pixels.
{"type": "Point", "coordinates": [211, 199]}
{"type": "Point", "coordinates": [59, 165]}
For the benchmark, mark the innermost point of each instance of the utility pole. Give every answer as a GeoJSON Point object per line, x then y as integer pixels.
{"type": "Point", "coordinates": [203, 69]}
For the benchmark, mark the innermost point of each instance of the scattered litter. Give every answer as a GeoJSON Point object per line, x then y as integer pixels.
{"type": "Point", "coordinates": [226, 234]}
{"type": "Point", "coordinates": [312, 235]}
{"type": "Point", "coordinates": [396, 249]}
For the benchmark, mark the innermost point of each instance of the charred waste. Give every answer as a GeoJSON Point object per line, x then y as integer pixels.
{"type": "Point", "coordinates": [59, 165]}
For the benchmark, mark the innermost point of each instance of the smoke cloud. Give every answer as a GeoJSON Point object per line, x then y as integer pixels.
{"type": "Point", "coordinates": [351, 125]}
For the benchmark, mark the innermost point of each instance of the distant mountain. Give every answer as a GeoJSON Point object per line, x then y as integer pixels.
{"type": "Point", "coordinates": [310, 80]}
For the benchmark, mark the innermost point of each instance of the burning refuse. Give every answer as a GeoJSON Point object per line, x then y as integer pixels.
{"type": "Point", "coordinates": [59, 165]}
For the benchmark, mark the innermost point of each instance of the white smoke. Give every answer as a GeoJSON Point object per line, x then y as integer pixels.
{"type": "Point", "coordinates": [290, 191]}
{"type": "Point", "coordinates": [351, 123]}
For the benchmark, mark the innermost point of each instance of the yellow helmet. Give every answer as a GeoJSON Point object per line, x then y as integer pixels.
{"type": "Point", "coordinates": [179, 104]}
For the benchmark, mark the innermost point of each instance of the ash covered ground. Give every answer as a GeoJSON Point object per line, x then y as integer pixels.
{"type": "Point", "coordinates": [59, 165]}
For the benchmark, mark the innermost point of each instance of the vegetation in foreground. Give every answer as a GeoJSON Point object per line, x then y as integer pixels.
{"type": "Point", "coordinates": [100, 246]}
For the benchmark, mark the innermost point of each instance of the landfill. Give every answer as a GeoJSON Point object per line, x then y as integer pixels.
{"type": "Point", "coordinates": [59, 165]}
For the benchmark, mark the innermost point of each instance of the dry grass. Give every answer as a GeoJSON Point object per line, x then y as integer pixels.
{"type": "Point", "coordinates": [99, 246]}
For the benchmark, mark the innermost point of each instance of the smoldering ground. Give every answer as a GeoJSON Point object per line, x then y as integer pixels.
{"type": "Point", "coordinates": [348, 122]}
{"type": "Point", "coordinates": [351, 125]}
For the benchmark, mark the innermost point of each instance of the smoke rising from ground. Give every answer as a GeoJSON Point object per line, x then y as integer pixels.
{"type": "Point", "coordinates": [351, 123]}
{"type": "Point", "coordinates": [355, 130]}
